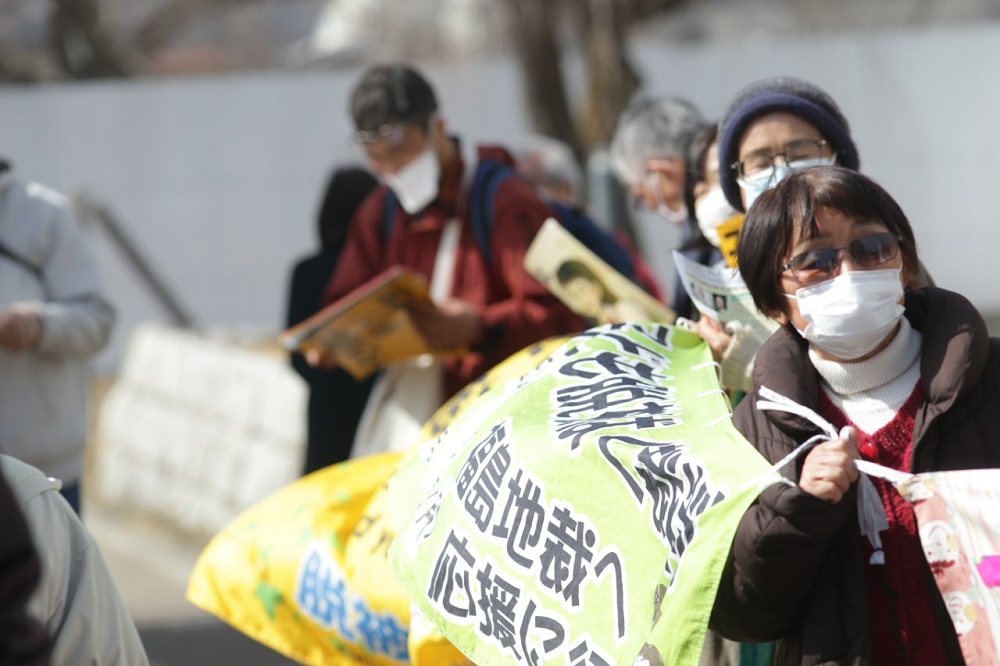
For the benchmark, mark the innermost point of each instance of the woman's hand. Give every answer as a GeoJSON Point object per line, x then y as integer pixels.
{"type": "Point", "coordinates": [716, 338]}
{"type": "Point", "coordinates": [829, 469]}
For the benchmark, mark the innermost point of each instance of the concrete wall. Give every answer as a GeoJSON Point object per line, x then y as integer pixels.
{"type": "Point", "coordinates": [196, 429]}
{"type": "Point", "coordinates": [219, 178]}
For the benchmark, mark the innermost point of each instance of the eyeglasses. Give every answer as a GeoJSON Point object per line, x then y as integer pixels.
{"type": "Point", "coordinates": [392, 134]}
{"type": "Point", "coordinates": [796, 151]}
{"type": "Point", "coordinates": [821, 263]}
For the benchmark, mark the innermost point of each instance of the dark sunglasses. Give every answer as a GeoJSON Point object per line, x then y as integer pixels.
{"type": "Point", "coordinates": [822, 262]}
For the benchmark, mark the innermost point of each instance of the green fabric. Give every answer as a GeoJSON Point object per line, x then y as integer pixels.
{"type": "Point", "coordinates": [756, 654]}
{"type": "Point", "coordinates": [562, 513]}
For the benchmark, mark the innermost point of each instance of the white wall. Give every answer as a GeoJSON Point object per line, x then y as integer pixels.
{"type": "Point", "coordinates": [219, 178]}
{"type": "Point", "coordinates": [195, 430]}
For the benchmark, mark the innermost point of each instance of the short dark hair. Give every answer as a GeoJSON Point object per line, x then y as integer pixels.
{"type": "Point", "coordinates": [392, 94]}
{"type": "Point", "coordinates": [695, 166]}
{"type": "Point", "coordinates": [781, 94]}
{"type": "Point", "coordinates": [346, 188]}
{"type": "Point", "coordinates": [777, 214]}
{"type": "Point", "coordinates": [697, 163]}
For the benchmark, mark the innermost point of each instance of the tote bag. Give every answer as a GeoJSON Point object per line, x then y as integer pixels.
{"type": "Point", "coordinates": [406, 394]}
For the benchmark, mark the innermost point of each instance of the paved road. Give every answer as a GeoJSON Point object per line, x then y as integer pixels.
{"type": "Point", "coordinates": [150, 564]}
{"type": "Point", "coordinates": [205, 643]}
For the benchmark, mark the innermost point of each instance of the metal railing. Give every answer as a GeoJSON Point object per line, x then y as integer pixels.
{"type": "Point", "coordinates": [92, 211]}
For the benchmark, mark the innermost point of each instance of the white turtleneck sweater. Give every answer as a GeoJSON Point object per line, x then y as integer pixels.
{"type": "Point", "coordinates": [872, 391]}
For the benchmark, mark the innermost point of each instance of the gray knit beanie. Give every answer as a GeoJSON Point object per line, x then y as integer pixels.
{"type": "Point", "coordinates": [780, 94]}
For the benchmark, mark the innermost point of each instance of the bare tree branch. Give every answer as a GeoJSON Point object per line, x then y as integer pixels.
{"type": "Point", "coordinates": [80, 44]}
{"type": "Point", "coordinates": [163, 26]}
{"type": "Point", "coordinates": [611, 78]}
{"type": "Point", "coordinates": [538, 53]}
{"type": "Point", "coordinates": [82, 48]}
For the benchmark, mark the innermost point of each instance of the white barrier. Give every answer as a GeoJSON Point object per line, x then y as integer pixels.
{"type": "Point", "coordinates": [196, 429]}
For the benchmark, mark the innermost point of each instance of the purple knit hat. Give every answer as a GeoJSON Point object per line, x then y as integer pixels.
{"type": "Point", "coordinates": [780, 94]}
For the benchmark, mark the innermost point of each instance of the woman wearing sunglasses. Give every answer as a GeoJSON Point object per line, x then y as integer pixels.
{"type": "Point", "coordinates": [914, 377]}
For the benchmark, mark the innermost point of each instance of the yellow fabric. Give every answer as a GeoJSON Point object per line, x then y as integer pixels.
{"type": "Point", "coordinates": [249, 573]}
{"type": "Point", "coordinates": [729, 236]}
{"type": "Point", "coordinates": [306, 570]}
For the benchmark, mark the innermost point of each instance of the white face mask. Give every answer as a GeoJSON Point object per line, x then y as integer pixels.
{"type": "Point", "coordinates": [711, 211]}
{"type": "Point", "coordinates": [416, 184]}
{"type": "Point", "coordinates": [853, 313]}
{"type": "Point", "coordinates": [755, 185]}
{"type": "Point", "coordinates": [678, 216]}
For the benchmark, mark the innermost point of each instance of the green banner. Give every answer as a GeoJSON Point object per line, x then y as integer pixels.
{"type": "Point", "coordinates": [581, 514]}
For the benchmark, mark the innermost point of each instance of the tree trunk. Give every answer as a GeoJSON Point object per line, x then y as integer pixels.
{"type": "Point", "coordinates": [534, 32]}
{"type": "Point", "coordinates": [611, 79]}
{"type": "Point", "coordinates": [81, 46]}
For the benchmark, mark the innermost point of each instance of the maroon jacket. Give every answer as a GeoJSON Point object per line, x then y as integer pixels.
{"type": "Point", "coordinates": [516, 309]}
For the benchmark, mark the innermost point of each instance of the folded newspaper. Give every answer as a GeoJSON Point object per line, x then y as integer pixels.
{"type": "Point", "coordinates": [720, 294]}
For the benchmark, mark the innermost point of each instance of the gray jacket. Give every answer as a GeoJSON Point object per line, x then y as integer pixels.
{"type": "Point", "coordinates": [76, 599]}
{"type": "Point", "coordinates": [46, 266]}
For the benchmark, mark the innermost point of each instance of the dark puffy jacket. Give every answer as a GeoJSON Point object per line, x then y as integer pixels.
{"type": "Point", "coordinates": [795, 571]}
{"type": "Point", "coordinates": [22, 637]}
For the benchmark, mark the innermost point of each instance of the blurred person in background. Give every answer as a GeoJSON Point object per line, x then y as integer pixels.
{"type": "Point", "coordinates": [76, 598]}
{"type": "Point", "coordinates": [54, 317]}
{"type": "Point", "coordinates": [778, 125]}
{"type": "Point", "coordinates": [703, 196]}
{"type": "Point", "coordinates": [709, 210]}
{"type": "Point", "coordinates": [491, 305]}
{"type": "Point", "coordinates": [908, 376]}
{"type": "Point", "coordinates": [658, 134]}
{"type": "Point", "coordinates": [336, 399]}
{"type": "Point", "coordinates": [648, 153]}
{"type": "Point", "coordinates": [22, 638]}
{"type": "Point", "coordinates": [773, 127]}
{"type": "Point", "coordinates": [549, 164]}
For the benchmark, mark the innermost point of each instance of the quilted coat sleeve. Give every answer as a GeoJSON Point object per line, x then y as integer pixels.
{"type": "Point", "coordinates": [780, 544]}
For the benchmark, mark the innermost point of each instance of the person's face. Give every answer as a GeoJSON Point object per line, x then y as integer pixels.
{"type": "Point", "coordinates": [774, 133]}
{"type": "Point", "coordinates": [836, 230]}
{"type": "Point", "coordinates": [586, 295]}
{"type": "Point", "coordinates": [662, 185]}
{"type": "Point", "coordinates": [404, 144]}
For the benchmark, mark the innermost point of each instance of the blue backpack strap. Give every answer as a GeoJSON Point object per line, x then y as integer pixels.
{"type": "Point", "coordinates": [490, 174]}
{"type": "Point", "coordinates": [482, 201]}
{"type": "Point", "coordinates": [390, 205]}
{"type": "Point", "coordinates": [597, 240]}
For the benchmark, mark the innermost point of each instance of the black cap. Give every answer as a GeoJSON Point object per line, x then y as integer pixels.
{"type": "Point", "coordinates": [390, 95]}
